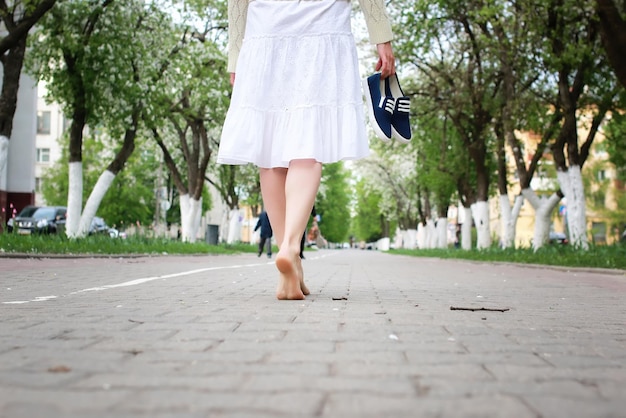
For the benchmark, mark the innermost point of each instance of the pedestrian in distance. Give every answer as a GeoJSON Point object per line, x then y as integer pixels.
{"type": "Point", "coordinates": [297, 104]}
{"type": "Point", "coordinates": [266, 233]}
{"type": "Point", "coordinates": [303, 239]}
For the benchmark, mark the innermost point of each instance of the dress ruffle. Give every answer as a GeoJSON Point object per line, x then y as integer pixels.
{"type": "Point", "coordinates": [297, 93]}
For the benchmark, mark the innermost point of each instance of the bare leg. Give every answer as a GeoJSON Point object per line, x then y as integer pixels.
{"type": "Point", "coordinates": [273, 191]}
{"type": "Point", "coordinates": [289, 195]}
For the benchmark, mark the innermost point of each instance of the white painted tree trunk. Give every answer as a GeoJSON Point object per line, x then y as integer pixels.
{"type": "Point", "coordinates": [517, 208]}
{"type": "Point", "coordinates": [410, 239]}
{"type": "Point", "coordinates": [4, 155]}
{"type": "Point", "coordinates": [398, 239]}
{"type": "Point", "coordinates": [571, 183]}
{"type": "Point", "coordinates": [93, 202]}
{"type": "Point", "coordinates": [543, 209]}
{"type": "Point", "coordinates": [421, 236]}
{"type": "Point", "coordinates": [74, 199]}
{"type": "Point", "coordinates": [506, 219]}
{"type": "Point", "coordinates": [234, 227]}
{"type": "Point", "coordinates": [442, 233]}
{"type": "Point", "coordinates": [431, 236]}
{"type": "Point", "coordinates": [466, 229]}
{"type": "Point", "coordinates": [509, 215]}
{"type": "Point", "coordinates": [480, 213]}
{"type": "Point", "coordinates": [190, 217]}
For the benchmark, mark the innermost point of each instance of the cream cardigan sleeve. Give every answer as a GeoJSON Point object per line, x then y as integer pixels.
{"type": "Point", "coordinates": [237, 12]}
{"type": "Point", "coordinates": [376, 18]}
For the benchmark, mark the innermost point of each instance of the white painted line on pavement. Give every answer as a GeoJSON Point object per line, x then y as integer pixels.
{"type": "Point", "coordinates": [150, 279]}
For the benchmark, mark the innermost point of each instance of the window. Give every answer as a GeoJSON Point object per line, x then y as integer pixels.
{"type": "Point", "coordinates": [43, 155]}
{"type": "Point", "coordinates": [38, 184]}
{"type": "Point", "coordinates": [43, 122]}
{"type": "Point", "coordinates": [601, 175]}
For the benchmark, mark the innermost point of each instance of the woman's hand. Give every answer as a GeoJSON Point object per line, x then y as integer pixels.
{"type": "Point", "coordinates": [232, 79]}
{"type": "Point", "coordinates": [386, 61]}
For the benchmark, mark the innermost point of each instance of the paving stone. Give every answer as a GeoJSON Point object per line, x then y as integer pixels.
{"type": "Point", "coordinates": [205, 337]}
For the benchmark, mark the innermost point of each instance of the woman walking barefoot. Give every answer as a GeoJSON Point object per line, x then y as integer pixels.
{"type": "Point", "coordinates": [296, 104]}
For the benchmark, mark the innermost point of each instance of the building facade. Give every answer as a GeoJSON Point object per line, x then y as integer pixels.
{"type": "Point", "coordinates": [17, 174]}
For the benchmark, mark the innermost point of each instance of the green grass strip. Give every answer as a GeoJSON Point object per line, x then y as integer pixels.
{"type": "Point", "coordinates": [104, 245]}
{"type": "Point", "coordinates": [607, 256]}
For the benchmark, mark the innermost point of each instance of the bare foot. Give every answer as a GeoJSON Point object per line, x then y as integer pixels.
{"type": "Point", "coordinates": [303, 287]}
{"type": "Point", "coordinates": [289, 284]}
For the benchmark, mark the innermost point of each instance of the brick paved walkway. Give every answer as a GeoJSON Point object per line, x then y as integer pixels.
{"type": "Point", "coordinates": [205, 337]}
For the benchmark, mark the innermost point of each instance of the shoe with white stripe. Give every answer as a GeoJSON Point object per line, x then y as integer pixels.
{"type": "Point", "coordinates": [400, 124]}
{"type": "Point", "coordinates": [379, 107]}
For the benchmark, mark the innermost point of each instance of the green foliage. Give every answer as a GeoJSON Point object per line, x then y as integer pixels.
{"type": "Point", "coordinates": [367, 221]}
{"type": "Point", "coordinates": [333, 203]}
{"type": "Point", "coordinates": [129, 200]}
{"type": "Point", "coordinates": [115, 58]}
{"type": "Point", "coordinates": [440, 160]}
{"type": "Point", "coordinates": [612, 257]}
{"type": "Point", "coordinates": [102, 48]}
{"type": "Point", "coordinates": [615, 131]}
{"type": "Point", "coordinates": [191, 93]}
{"type": "Point", "coordinates": [249, 187]}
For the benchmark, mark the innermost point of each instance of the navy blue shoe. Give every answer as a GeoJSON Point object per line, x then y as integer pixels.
{"type": "Point", "coordinates": [379, 107]}
{"type": "Point", "coordinates": [400, 124]}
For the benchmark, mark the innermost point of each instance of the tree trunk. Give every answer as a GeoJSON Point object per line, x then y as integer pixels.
{"type": "Point", "coordinates": [442, 233]}
{"type": "Point", "coordinates": [79, 120]}
{"type": "Point", "coordinates": [543, 210]}
{"type": "Point", "coordinates": [12, 69]}
{"type": "Point", "coordinates": [106, 179]}
{"type": "Point", "coordinates": [18, 30]}
{"type": "Point", "coordinates": [480, 213]}
{"type": "Point", "coordinates": [466, 229]}
{"type": "Point", "coordinates": [74, 198]}
{"type": "Point", "coordinates": [420, 236]}
{"type": "Point", "coordinates": [93, 202]}
{"type": "Point", "coordinates": [4, 155]}
{"type": "Point", "coordinates": [507, 228]}
{"type": "Point", "coordinates": [234, 227]}
{"type": "Point", "coordinates": [431, 234]}
{"type": "Point", "coordinates": [571, 183]}
{"type": "Point", "coordinates": [613, 32]}
{"type": "Point", "coordinates": [190, 213]}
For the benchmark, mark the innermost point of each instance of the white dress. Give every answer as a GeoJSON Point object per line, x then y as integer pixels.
{"type": "Point", "coordinates": [297, 92]}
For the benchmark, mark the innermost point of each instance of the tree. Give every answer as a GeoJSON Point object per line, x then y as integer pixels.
{"type": "Point", "coordinates": [585, 92]}
{"type": "Point", "coordinates": [101, 80]}
{"type": "Point", "coordinates": [391, 174]}
{"type": "Point", "coordinates": [18, 18]}
{"type": "Point", "coordinates": [449, 54]}
{"type": "Point", "coordinates": [440, 167]}
{"type": "Point", "coordinates": [191, 99]}
{"type": "Point", "coordinates": [613, 32]}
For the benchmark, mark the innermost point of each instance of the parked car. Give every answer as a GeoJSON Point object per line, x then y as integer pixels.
{"type": "Point", "coordinates": [558, 238]}
{"type": "Point", "coordinates": [43, 220]}
{"type": "Point", "coordinates": [24, 213]}
{"type": "Point", "coordinates": [99, 226]}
